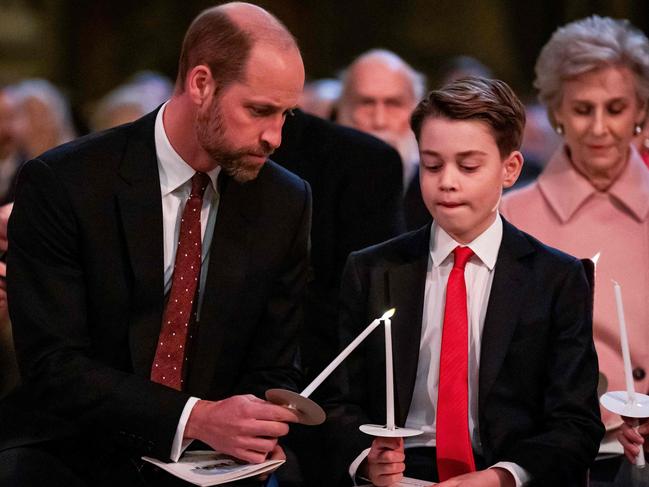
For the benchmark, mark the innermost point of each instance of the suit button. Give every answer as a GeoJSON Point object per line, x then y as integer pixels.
{"type": "Point", "coordinates": [639, 373]}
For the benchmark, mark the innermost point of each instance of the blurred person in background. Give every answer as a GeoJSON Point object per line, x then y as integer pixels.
{"type": "Point", "coordinates": [44, 116]}
{"type": "Point", "coordinates": [320, 97]}
{"type": "Point", "coordinates": [145, 92]}
{"type": "Point", "coordinates": [462, 66]}
{"type": "Point", "coordinates": [380, 91]}
{"type": "Point", "coordinates": [11, 156]}
{"type": "Point", "coordinates": [540, 141]}
{"type": "Point", "coordinates": [641, 142]}
{"type": "Point", "coordinates": [593, 195]}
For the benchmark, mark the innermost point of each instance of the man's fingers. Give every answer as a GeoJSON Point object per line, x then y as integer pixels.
{"type": "Point", "coordinates": [271, 412]}
{"type": "Point", "coordinates": [260, 445]}
{"type": "Point", "coordinates": [249, 456]}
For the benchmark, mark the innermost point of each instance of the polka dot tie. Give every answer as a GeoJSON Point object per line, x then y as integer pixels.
{"type": "Point", "coordinates": [179, 314]}
{"type": "Point", "coordinates": [453, 444]}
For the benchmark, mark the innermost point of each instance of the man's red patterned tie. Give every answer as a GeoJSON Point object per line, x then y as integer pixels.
{"type": "Point", "coordinates": [170, 359]}
{"type": "Point", "coordinates": [454, 453]}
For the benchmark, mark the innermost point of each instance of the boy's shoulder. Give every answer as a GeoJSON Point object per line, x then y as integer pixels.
{"type": "Point", "coordinates": [398, 250]}
{"type": "Point", "coordinates": [520, 242]}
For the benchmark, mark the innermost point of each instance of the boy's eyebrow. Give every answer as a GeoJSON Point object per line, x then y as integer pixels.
{"type": "Point", "coordinates": [460, 155]}
{"type": "Point", "coordinates": [469, 153]}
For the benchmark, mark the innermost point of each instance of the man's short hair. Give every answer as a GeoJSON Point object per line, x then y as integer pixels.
{"type": "Point", "coordinates": [224, 44]}
{"type": "Point", "coordinates": [215, 40]}
{"type": "Point", "coordinates": [486, 100]}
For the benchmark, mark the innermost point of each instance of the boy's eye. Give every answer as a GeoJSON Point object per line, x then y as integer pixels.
{"type": "Point", "coordinates": [468, 168]}
{"type": "Point", "coordinates": [433, 167]}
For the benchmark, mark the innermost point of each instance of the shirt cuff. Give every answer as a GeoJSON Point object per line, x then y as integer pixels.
{"type": "Point", "coordinates": [180, 444]}
{"type": "Point", "coordinates": [521, 476]}
{"type": "Point", "coordinates": [353, 468]}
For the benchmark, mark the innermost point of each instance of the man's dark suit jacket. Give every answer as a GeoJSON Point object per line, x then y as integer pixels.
{"type": "Point", "coordinates": [538, 368]}
{"type": "Point", "coordinates": [85, 283]}
{"type": "Point", "coordinates": [357, 183]}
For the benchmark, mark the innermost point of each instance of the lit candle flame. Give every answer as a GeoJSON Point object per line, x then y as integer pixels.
{"type": "Point", "coordinates": [388, 314]}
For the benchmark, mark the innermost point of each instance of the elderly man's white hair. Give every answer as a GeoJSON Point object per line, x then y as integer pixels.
{"type": "Point", "coordinates": [393, 61]}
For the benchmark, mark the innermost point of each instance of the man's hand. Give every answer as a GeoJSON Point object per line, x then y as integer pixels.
{"type": "Point", "coordinates": [244, 427]}
{"type": "Point", "coordinates": [276, 454]}
{"type": "Point", "coordinates": [384, 465]}
{"type": "Point", "coordinates": [492, 477]}
{"type": "Point", "coordinates": [5, 211]}
{"type": "Point", "coordinates": [633, 440]}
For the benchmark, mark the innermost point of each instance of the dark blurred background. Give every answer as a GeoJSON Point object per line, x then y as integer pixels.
{"type": "Point", "coordinates": [89, 47]}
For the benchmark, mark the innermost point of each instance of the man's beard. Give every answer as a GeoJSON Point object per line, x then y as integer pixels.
{"type": "Point", "coordinates": [210, 131]}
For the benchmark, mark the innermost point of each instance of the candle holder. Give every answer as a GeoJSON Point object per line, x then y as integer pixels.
{"type": "Point", "coordinates": [308, 411]}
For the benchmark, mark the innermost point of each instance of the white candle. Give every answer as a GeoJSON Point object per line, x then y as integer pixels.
{"type": "Point", "coordinates": [389, 381]}
{"type": "Point", "coordinates": [343, 355]}
{"type": "Point", "coordinates": [626, 356]}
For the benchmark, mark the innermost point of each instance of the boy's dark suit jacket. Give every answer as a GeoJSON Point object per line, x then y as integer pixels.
{"type": "Point", "coordinates": [538, 368]}
{"type": "Point", "coordinates": [85, 283]}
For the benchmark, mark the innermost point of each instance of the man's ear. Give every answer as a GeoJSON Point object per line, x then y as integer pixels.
{"type": "Point", "coordinates": [200, 84]}
{"type": "Point", "coordinates": [512, 166]}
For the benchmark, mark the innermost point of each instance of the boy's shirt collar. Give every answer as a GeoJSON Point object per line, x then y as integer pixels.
{"type": "Point", "coordinates": [485, 246]}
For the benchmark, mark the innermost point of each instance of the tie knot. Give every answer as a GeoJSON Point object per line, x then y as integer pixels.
{"type": "Point", "coordinates": [461, 257]}
{"type": "Point", "coordinates": [200, 180]}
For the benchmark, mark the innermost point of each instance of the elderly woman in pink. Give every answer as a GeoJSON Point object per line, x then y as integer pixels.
{"type": "Point", "coordinates": [593, 196]}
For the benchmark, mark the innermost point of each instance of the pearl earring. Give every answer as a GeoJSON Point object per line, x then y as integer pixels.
{"type": "Point", "coordinates": [559, 129]}
{"type": "Point", "coordinates": [637, 129]}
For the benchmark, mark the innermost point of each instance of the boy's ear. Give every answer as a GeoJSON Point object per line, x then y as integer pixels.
{"type": "Point", "coordinates": [512, 166]}
{"type": "Point", "coordinates": [200, 84]}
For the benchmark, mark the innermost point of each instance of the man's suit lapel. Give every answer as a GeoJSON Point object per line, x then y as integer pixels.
{"type": "Point", "coordinates": [229, 254]}
{"type": "Point", "coordinates": [505, 300]}
{"type": "Point", "coordinates": [140, 208]}
{"type": "Point", "coordinates": [406, 284]}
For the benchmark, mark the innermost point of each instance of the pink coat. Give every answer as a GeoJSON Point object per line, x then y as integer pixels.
{"type": "Point", "coordinates": [563, 210]}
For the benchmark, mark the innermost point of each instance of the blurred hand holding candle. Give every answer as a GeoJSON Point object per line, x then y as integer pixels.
{"type": "Point", "coordinates": [629, 403]}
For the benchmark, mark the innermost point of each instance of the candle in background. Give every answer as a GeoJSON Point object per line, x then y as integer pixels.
{"type": "Point", "coordinates": [389, 376]}
{"type": "Point", "coordinates": [626, 357]}
{"type": "Point", "coordinates": [624, 342]}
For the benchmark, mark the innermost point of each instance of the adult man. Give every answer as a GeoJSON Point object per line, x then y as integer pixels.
{"type": "Point", "coordinates": [380, 91]}
{"type": "Point", "coordinates": [93, 239]}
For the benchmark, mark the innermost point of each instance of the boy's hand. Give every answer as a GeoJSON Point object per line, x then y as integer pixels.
{"type": "Point", "coordinates": [492, 477]}
{"type": "Point", "coordinates": [384, 465]}
{"type": "Point", "coordinates": [633, 440]}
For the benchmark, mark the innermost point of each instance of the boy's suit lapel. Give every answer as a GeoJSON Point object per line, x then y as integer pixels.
{"type": "Point", "coordinates": [507, 290]}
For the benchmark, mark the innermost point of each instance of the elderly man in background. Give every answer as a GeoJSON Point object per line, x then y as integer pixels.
{"type": "Point", "coordinates": [380, 91]}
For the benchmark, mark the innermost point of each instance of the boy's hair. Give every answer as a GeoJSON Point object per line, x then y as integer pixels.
{"type": "Point", "coordinates": [486, 100]}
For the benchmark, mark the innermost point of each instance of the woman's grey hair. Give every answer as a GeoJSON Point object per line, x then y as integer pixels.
{"type": "Point", "coordinates": [586, 45]}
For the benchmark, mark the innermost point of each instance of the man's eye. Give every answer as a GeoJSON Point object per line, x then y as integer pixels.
{"type": "Point", "coordinates": [258, 111]}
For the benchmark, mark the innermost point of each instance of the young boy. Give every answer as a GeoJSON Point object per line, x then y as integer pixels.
{"type": "Point", "coordinates": [493, 352]}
